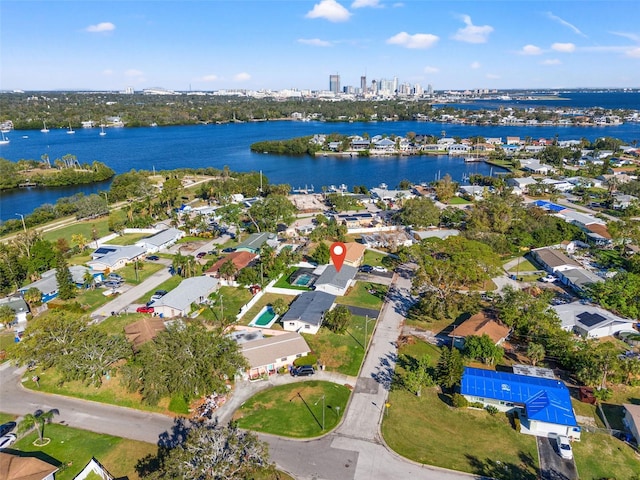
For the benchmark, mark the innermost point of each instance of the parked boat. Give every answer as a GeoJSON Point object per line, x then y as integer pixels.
{"type": "Point", "coordinates": [71, 130]}
{"type": "Point", "coordinates": [102, 132]}
{"type": "Point", "coordinates": [44, 128]}
{"type": "Point", "coordinates": [4, 140]}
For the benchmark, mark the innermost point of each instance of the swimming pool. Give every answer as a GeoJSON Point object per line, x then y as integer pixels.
{"type": "Point", "coordinates": [303, 280]}
{"type": "Point", "coordinates": [265, 318]}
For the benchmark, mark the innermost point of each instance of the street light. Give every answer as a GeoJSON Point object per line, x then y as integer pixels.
{"type": "Point", "coordinates": [322, 410]}
{"type": "Point", "coordinates": [366, 322]}
{"type": "Point", "coordinates": [24, 227]}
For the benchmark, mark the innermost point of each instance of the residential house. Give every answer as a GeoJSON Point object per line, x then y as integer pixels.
{"type": "Point", "coordinates": [534, 166]}
{"type": "Point", "coordinates": [595, 228]}
{"type": "Point", "coordinates": [591, 321]}
{"type": "Point", "coordinates": [622, 202]}
{"type": "Point", "coordinates": [48, 284]}
{"type": "Point", "coordinates": [473, 191]}
{"type": "Point", "coordinates": [92, 470]}
{"type": "Point", "coordinates": [557, 185]}
{"type": "Point", "coordinates": [359, 144]}
{"type": "Point", "coordinates": [17, 467]}
{"type": "Point", "coordinates": [458, 149]}
{"type": "Point", "coordinates": [114, 257]}
{"type": "Point", "coordinates": [383, 145]}
{"type": "Point", "coordinates": [478, 325]}
{"type": "Point", "coordinates": [392, 240]}
{"type": "Point", "coordinates": [307, 311]}
{"type": "Point", "coordinates": [254, 242]}
{"type": "Point", "coordinates": [334, 282]}
{"type": "Point", "coordinates": [19, 307]}
{"type": "Point", "coordinates": [266, 355]}
{"type": "Point", "coordinates": [543, 405]}
{"type": "Point", "coordinates": [441, 233]}
{"type": "Point", "coordinates": [553, 260]}
{"type": "Point", "coordinates": [161, 240]}
{"type": "Point", "coordinates": [177, 303]}
{"type": "Point", "coordinates": [239, 259]}
{"type": "Point", "coordinates": [632, 419]}
{"type": "Point", "coordinates": [142, 331]}
{"type": "Point", "coordinates": [520, 185]}
{"type": "Point", "coordinates": [514, 141]}
{"type": "Point", "coordinates": [356, 220]}
{"type": "Point", "coordinates": [578, 278]}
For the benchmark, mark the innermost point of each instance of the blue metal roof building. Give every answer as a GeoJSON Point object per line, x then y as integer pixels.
{"type": "Point", "coordinates": [554, 207]}
{"type": "Point", "coordinates": [544, 404]}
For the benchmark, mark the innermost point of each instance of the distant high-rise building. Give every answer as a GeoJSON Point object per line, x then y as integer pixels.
{"type": "Point", "coordinates": [334, 83]}
{"type": "Point", "coordinates": [430, 89]}
{"type": "Point", "coordinates": [128, 90]}
{"type": "Point", "coordinates": [363, 84]}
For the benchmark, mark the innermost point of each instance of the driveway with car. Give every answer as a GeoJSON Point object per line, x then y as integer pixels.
{"type": "Point", "coordinates": [552, 465]}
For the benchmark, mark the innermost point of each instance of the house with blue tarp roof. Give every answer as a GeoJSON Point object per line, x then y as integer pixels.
{"type": "Point", "coordinates": [554, 207]}
{"type": "Point", "coordinates": [543, 405]}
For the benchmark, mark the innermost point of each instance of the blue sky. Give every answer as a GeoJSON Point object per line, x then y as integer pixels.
{"type": "Point", "coordinates": [266, 44]}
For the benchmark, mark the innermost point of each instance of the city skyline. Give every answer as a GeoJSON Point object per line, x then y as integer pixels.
{"type": "Point", "coordinates": [278, 45]}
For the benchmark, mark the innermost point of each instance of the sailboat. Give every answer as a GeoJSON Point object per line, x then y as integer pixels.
{"type": "Point", "coordinates": [44, 128]}
{"type": "Point", "coordinates": [71, 130]}
{"type": "Point", "coordinates": [4, 140]}
{"type": "Point", "coordinates": [474, 157]}
{"type": "Point", "coordinates": [102, 132]}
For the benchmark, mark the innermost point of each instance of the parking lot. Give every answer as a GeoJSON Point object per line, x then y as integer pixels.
{"type": "Point", "coordinates": [552, 466]}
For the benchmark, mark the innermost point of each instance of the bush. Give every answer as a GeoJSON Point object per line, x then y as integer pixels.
{"type": "Point", "coordinates": [459, 401]}
{"type": "Point", "coordinates": [491, 409]}
{"type": "Point", "coordinates": [476, 405]}
{"type": "Point", "coordinates": [178, 404]}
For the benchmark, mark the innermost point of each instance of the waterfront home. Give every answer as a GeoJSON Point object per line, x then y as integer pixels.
{"type": "Point", "coordinates": [359, 144]}
{"type": "Point", "coordinates": [445, 142]}
{"type": "Point", "coordinates": [534, 166]}
{"type": "Point", "coordinates": [161, 240]}
{"type": "Point", "coordinates": [514, 141]}
{"type": "Point", "coordinates": [334, 282]}
{"type": "Point", "coordinates": [543, 405]}
{"type": "Point", "coordinates": [458, 149]}
{"type": "Point", "coordinates": [591, 321]}
{"type": "Point", "coordinates": [494, 140]}
{"type": "Point", "coordinates": [307, 311]}
{"type": "Point", "coordinates": [383, 145]}
{"type": "Point", "coordinates": [178, 302]}
{"type": "Point", "coordinates": [266, 355]}
{"type": "Point", "coordinates": [475, 192]}
{"type": "Point", "coordinates": [387, 195]}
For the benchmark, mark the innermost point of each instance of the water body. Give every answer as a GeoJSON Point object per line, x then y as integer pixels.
{"type": "Point", "coordinates": [196, 146]}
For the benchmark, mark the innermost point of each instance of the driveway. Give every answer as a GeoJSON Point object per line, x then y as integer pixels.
{"type": "Point", "coordinates": [552, 466]}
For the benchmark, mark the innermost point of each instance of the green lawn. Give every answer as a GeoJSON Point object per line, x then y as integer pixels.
{"type": "Point", "coordinates": [233, 298]}
{"type": "Point", "coordinates": [295, 410]}
{"type": "Point", "coordinates": [116, 323]}
{"type": "Point", "coordinates": [266, 299]}
{"type": "Point", "coordinates": [341, 352]}
{"type": "Point", "coordinates": [373, 258]}
{"type": "Point", "coordinates": [85, 228]}
{"type": "Point", "coordinates": [71, 449]}
{"type": "Point", "coordinates": [599, 455]}
{"type": "Point", "coordinates": [458, 201]}
{"type": "Point", "coordinates": [127, 239]}
{"type": "Point", "coordinates": [168, 285]}
{"type": "Point", "coordinates": [359, 295]}
{"type": "Point", "coordinates": [283, 281]}
{"type": "Point", "coordinates": [524, 266]}
{"type": "Point", "coordinates": [91, 299]}
{"type": "Point", "coordinates": [144, 270]}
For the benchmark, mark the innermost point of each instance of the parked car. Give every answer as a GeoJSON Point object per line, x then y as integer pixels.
{"type": "Point", "coordinates": [564, 447]}
{"type": "Point", "coordinates": [153, 258]}
{"type": "Point", "coordinates": [7, 428]}
{"type": "Point", "coordinates": [380, 269]}
{"type": "Point", "coordinates": [145, 309]}
{"type": "Point", "coordinates": [302, 371]}
{"type": "Point", "coordinates": [114, 277]}
{"type": "Point", "coordinates": [201, 254]}
{"type": "Point", "coordinates": [548, 279]}
{"type": "Point", "coordinates": [112, 284]}
{"type": "Point", "coordinates": [229, 250]}
{"type": "Point", "coordinates": [7, 440]}
{"type": "Point", "coordinates": [366, 268]}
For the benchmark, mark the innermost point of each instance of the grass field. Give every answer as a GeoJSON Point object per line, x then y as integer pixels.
{"type": "Point", "coordinates": [295, 410]}
{"type": "Point", "coordinates": [341, 352]}
{"type": "Point", "coordinates": [458, 201]}
{"type": "Point", "coordinates": [373, 258]}
{"type": "Point", "coordinates": [359, 295]}
{"type": "Point", "coordinates": [127, 239]}
{"type": "Point", "coordinates": [599, 455]}
{"type": "Point", "coordinates": [85, 228]}
{"type": "Point", "coordinates": [135, 275]}
{"type": "Point", "coordinates": [167, 285]}
{"type": "Point", "coordinates": [72, 448]}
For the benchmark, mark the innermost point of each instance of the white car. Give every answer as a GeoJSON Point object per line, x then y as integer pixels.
{"type": "Point", "coordinates": [7, 440]}
{"type": "Point", "coordinates": [564, 447]}
{"type": "Point", "coordinates": [380, 269]}
{"type": "Point", "coordinates": [548, 279]}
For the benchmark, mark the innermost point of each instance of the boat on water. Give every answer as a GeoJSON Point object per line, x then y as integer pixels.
{"type": "Point", "coordinates": [71, 130]}
{"type": "Point", "coordinates": [44, 128]}
{"type": "Point", "coordinates": [4, 139]}
{"type": "Point", "coordinates": [102, 132]}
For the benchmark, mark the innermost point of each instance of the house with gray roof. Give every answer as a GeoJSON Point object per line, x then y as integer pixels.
{"type": "Point", "coordinates": [578, 278]}
{"type": "Point", "coordinates": [267, 354]}
{"type": "Point", "coordinates": [256, 241]}
{"type": "Point", "coordinates": [114, 257]}
{"type": "Point", "coordinates": [48, 284]}
{"type": "Point", "coordinates": [177, 303]}
{"type": "Point", "coordinates": [590, 320]}
{"type": "Point", "coordinates": [333, 281]}
{"type": "Point", "coordinates": [306, 313]}
{"type": "Point", "coordinates": [19, 307]}
{"type": "Point", "coordinates": [162, 239]}
{"type": "Point", "coordinates": [553, 260]}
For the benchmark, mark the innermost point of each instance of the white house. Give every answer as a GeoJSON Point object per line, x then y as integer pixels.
{"type": "Point", "coordinates": [113, 257]}
{"type": "Point", "coordinates": [19, 307]}
{"type": "Point", "coordinates": [590, 320]}
{"type": "Point", "coordinates": [332, 281]}
{"type": "Point", "coordinates": [520, 185]}
{"type": "Point", "coordinates": [307, 311]}
{"type": "Point", "coordinates": [177, 303]}
{"type": "Point", "coordinates": [267, 354]}
{"type": "Point", "coordinates": [162, 239]}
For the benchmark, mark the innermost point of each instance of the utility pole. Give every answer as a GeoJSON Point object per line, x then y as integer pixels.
{"type": "Point", "coordinates": [322, 410]}
{"type": "Point", "coordinates": [24, 227]}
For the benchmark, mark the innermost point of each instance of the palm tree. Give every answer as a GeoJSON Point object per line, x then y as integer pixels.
{"type": "Point", "coordinates": [37, 420]}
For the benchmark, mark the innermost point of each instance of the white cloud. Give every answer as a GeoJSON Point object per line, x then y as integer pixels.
{"type": "Point", "coordinates": [475, 65]}
{"type": "Point", "coordinates": [492, 76]}
{"type": "Point", "coordinates": [562, 22]}
{"type": "Point", "coordinates": [329, 10]}
{"type": "Point", "coordinates": [132, 72]}
{"type": "Point", "coordinates": [634, 52]}
{"type": "Point", "coordinates": [429, 69]}
{"type": "Point", "coordinates": [242, 77]}
{"type": "Point", "coordinates": [551, 61]}
{"type": "Point", "coordinates": [473, 33]}
{"type": "Point", "coordinates": [209, 78]}
{"type": "Point", "coordinates": [631, 36]}
{"type": "Point", "coordinates": [564, 47]}
{"type": "Point", "coordinates": [315, 42]}
{"type": "Point", "coordinates": [101, 27]}
{"type": "Point", "coordinates": [418, 40]}
{"type": "Point", "coordinates": [530, 50]}
{"type": "Point", "coordinates": [366, 3]}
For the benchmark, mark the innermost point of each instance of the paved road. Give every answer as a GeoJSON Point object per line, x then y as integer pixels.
{"type": "Point", "coordinates": [355, 450]}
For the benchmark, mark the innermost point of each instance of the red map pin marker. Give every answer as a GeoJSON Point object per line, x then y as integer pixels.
{"type": "Point", "coordinates": [338, 251]}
